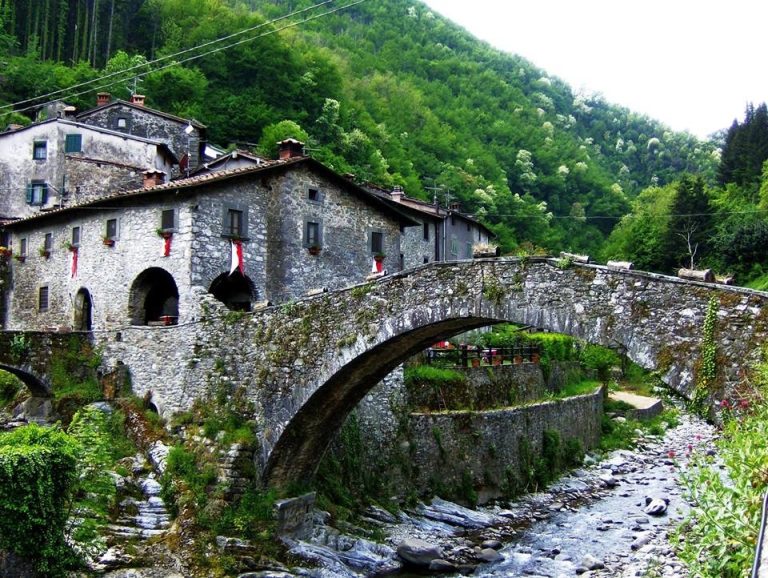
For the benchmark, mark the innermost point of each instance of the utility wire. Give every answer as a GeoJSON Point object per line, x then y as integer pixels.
{"type": "Point", "coordinates": [162, 58]}
{"type": "Point", "coordinates": [195, 57]}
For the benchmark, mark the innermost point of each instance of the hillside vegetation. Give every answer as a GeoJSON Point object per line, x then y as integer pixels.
{"type": "Point", "coordinates": [386, 90]}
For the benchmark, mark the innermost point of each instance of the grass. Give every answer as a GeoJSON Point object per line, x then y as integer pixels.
{"type": "Point", "coordinates": [579, 388]}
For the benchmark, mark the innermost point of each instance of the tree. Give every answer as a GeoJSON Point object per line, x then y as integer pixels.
{"type": "Point", "coordinates": [274, 133]}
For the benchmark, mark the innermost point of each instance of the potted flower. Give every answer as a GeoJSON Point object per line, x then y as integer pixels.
{"type": "Point", "coordinates": [314, 249]}
{"type": "Point", "coordinates": [378, 259]}
{"type": "Point", "coordinates": [69, 246]}
{"type": "Point", "coordinates": [5, 252]}
{"type": "Point", "coordinates": [484, 250]}
{"type": "Point", "coordinates": [164, 233]}
{"type": "Point", "coordinates": [44, 252]}
{"type": "Point", "coordinates": [108, 241]}
{"type": "Point", "coordinates": [20, 258]}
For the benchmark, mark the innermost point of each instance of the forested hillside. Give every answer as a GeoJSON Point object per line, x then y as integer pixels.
{"type": "Point", "coordinates": [383, 89]}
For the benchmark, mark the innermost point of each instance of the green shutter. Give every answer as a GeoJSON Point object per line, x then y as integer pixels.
{"type": "Point", "coordinates": [29, 194]}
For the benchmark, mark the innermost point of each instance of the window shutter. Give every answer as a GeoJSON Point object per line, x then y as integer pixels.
{"type": "Point", "coordinates": [44, 194]}
{"type": "Point", "coordinates": [30, 192]}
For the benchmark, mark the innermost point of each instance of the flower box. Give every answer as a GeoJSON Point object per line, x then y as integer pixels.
{"type": "Point", "coordinates": [108, 242]}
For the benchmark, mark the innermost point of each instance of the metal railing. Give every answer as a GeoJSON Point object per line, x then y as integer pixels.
{"type": "Point", "coordinates": [469, 356]}
{"type": "Point", "coordinates": [756, 573]}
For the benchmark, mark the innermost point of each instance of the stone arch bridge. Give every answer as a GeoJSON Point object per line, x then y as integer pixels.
{"type": "Point", "coordinates": [305, 365]}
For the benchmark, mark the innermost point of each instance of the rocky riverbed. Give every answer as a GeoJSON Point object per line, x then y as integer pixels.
{"type": "Point", "coordinates": [595, 522]}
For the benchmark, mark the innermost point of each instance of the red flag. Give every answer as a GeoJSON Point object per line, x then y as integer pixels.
{"type": "Point", "coordinates": [237, 257]}
{"type": "Point", "coordinates": [74, 262]}
{"type": "Point", "coordinates": [167, 251]}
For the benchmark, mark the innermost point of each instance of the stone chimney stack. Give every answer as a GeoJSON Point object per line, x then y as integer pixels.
{"type": "Point", "coordinates": [455, 207]}
{"type": "Point", "coordinates": [290, 148]}
{"type": "Point", "coordinates": [137, 99]}
{"type": "Point", "coordinates": [397, 193]}
{"type": "Point", "coordinates": [153, 178]}
{"type": "Point", "coordinates": [103, 98]}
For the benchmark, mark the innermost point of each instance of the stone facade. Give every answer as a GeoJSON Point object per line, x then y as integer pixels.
{"type": "Point", "coordinates": [118, 280]}
{"type": "Point", "coordinates": [72, 177]}
{"type": "Point", "coordinates": [137, 120]}
{"type": "Point", "coordinates": [486, 447]}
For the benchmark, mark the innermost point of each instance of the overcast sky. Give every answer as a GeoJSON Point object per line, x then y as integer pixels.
{"type": "Point", "coordinates": [693, 65]}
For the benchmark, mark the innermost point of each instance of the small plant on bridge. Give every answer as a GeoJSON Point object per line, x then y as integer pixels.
{"type": "Point", "coordinates": [18, 347]}
{"type": "Point", "coordinates": [493, 291]}
{"type": "Point", "coordinates": [707, 370]}
{"type": "Point", "coordinates": [564, 263]}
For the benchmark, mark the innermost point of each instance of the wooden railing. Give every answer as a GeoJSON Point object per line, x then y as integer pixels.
{"type": "Point", "coordinates": [469, 356]}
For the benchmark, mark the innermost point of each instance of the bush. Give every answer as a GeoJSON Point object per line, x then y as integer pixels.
{"type": "Point", "coordinates": [718, 539]}
{"type": "Point", "coordinates": [599, 359]}
{"type": "Point", "coordinates": [38, 467]}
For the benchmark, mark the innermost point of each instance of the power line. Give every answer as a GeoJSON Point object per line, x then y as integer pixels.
{"type": "Point", "coordinates": [149, 63]}
{"type": "Point", "coordinates": [188, 59]}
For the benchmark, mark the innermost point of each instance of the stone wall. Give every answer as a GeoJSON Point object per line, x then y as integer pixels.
{"type": "Point", "coordinates": [417, 250]}
{"type": "Point", "coordinates": [346, 221]}
{"type": "Point", "coordinates": [151, 124]}
{"type": "Point", "coordinates": [447, 449]}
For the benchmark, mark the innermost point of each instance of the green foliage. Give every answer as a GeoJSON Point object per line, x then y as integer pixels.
{"type": "Point", "coordinates": [599, 359]}
{"type": "Point", "coordinates": [37, 474]}
{"type": "Point", "coordinates": [19, 347]}
{"type": "Point", "coordinates": [719, 537]}
{"type": "Point", "coordinates": [274, 133]}
{"type": "Point", "coordinates": [707, 369]}
{"type": "Point", "coordinates": [73, 377]}
{"type": "Point", "coordinates": [9, 387]}
{"type": "Point", "coordinates": [251, 516]}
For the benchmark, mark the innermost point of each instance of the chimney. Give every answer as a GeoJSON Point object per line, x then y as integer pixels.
{"type": "Point", "coordinates": [290, 148]}
{"type": "Point", "coordinates": [103, 98]}
{"type": "Point", "coordinates": [137, 99]}
{"type": "Point", "coordinates": [455, 207]}
{"type": "Point", "coordinates": [153, 178]}
{"type": "Point", "coordinates": [397, 193]}
{"type": "Point", "coordinates": [69, 111]}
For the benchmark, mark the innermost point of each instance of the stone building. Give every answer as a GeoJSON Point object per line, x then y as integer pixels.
{"type": "Point", "coordinates": [444, 234]}
{"type": "Point", "coordinates": [185, 137]}
{"type": "Point", "coordinates": [145, 256]}
{"type": "Point", "coordinates": [59, 162]}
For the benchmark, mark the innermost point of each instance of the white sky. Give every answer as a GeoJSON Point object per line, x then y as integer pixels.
{"type": "Point", "coordinates": [693, 65]}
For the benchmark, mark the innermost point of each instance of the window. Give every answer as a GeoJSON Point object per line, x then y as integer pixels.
{"type": "Point", "coordinates": [469, 226]}
{"type": "Point", "coordinates": [42, 298]}
{"type": "Point", "coordinates": [377, 242]}
{"type": "Point", "coordinates": [122, 122]}
{"type": "Point", "coordinates": [468, 251]}
{"type": "Point", "coordinates": [40, 150]}
{"type": "Point", "coordinates": [111, 230]}
{"type": "Point", "coordinates": [315, 195]}
{"type": "Point", "coordinates": [312, 234]}
{"type": "Point", "coordinates": [168, 220]}
{"type": "Point", "coordinates": [37, 193]}
{"type": "Point", "coordinates": [426, 259]}
{"type": "Point", "coordinates": [426, 231]}
{"type": "Point", "coordinates": [23, 247]}
{"type": "Point", "coordinates": [73, 143]}
{"type": "Point", "coordinates": [75, 236]}
{"type": "Point", "coordinates": [454, 246]}
{"type": "Point", "coordinates": [48, 242]}
{"type": "Point", "coordinates": [235, 221]}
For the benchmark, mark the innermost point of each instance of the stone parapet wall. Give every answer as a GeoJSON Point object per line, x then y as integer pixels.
{"type": "Point", "coordinates": [447, 449]}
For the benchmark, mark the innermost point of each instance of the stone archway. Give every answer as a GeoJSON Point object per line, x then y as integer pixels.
{"type": "Point", "coordinates": [154, 298]}
{"type": "Point", "coordinates": [83, 311]}
{"type": "Point", "coordinates": [235, 290]}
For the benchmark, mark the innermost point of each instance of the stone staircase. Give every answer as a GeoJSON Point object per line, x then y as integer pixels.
{"type": "Point", "coordinates": [142, 512]}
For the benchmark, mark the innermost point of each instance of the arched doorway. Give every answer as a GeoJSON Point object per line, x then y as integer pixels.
{"type": "Point", "coordinates": [83, 320]}
{"type": "Point", "coordinates": [236, 291]}
{"type": "Point", "coordinates": [154, 298]}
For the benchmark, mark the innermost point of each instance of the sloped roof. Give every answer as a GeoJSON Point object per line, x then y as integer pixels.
{"type": "Point", "coordinates": [118, 101]}
{"type": "Point", "coordinates": [190, 184]}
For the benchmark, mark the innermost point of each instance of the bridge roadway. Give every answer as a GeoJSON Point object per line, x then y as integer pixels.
{"type": "Point", "coordinates": [303, 366]}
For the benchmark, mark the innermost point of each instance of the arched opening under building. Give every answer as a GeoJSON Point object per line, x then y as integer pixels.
{"type": "Point", "coordinates": [83, 320]}
{"type": "Point", "coordinates": [236, 291]}
{"type": "Point", "coordinates": [154, 298]}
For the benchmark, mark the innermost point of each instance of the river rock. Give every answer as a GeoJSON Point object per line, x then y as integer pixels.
{"type": "Point", "coordinates": [443, 566]}
{"type": "Point", "coordinates": [656, 506]}
{"type": "Point", "coordinates": [455, 515]}
{"type": "Point", "coordinates": [418, 552]}
{"type": "Point", "coordinates": [489, 555]}
{"type": "Point", "coordinates": [591, 563]}
{"type": "Point", "coordinates": [493, 544]}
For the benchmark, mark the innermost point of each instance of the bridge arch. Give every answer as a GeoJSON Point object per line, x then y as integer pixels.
{"type": "Point", "coordinates": [655, 320]}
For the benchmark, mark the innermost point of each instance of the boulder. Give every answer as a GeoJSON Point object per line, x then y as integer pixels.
{"type": "Point", "coordinates": [418, 552]}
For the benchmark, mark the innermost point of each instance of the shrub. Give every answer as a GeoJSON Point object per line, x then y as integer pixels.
{"type": "Point", "coordinates": [37, 473]}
